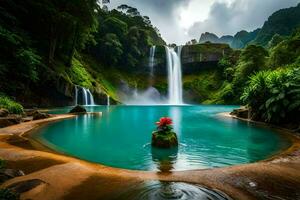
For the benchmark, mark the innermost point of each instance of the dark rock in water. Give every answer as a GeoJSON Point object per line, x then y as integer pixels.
{"type": "Point", "coordinates": [6, 174]}
{"type": "Point", "coordinates": [10, 120]}
{"type": "Point", "coordinates": [24, 186]}
{"type": "Point", "coordinates": [241, 112]}
{"type": "Point", "coordinates": [38, 115]}
{"type": "Point", "coordinates": [3, 112]}
{"type": "Point", "coordinates": [166, 140]}
{"type": "Point", "coordinates": [78, 109]}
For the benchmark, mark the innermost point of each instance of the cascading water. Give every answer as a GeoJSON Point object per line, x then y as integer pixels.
{"type": "Point", "coordinates": [87, 97]}
{"type": "Point", "coordinates": [174, 75]}
{"type": "Point", "coordinates": [151, 60]}
{"type": "Point", "coordinates": [108, 100]}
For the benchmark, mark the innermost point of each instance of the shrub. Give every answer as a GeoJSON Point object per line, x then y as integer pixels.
{"type": "Point", "coordinates": [274, 96]}
{"type": "Point", "coordinates": [10, 105]}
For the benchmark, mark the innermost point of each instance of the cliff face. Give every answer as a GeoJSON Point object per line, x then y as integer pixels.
{"type": "Point", "coordinates": [194, 58]}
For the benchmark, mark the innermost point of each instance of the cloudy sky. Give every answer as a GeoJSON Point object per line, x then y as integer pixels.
{"type": "Point", "coordinates": [182, 20]}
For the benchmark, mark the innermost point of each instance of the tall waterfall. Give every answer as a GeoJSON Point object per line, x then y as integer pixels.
{"type": "Point", "coordinates": [174, 75]}
{"type": "Point", "coordinates": [86, 97]}
{"type": "Point", "coordinates": [151, 60]}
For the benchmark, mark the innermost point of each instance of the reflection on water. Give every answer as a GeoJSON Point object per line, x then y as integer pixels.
{"type": "Point", "coordinates": [164, 158]}
{"type": "Point", "coordinates": [156, 190]}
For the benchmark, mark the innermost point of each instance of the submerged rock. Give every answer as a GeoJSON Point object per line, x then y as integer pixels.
{"type": "Point", "coordinates": [167, 140]}
{"type": "Point", "coordinates": [3, 112]}
{"type": "Point", "coordinates": [78, 109]}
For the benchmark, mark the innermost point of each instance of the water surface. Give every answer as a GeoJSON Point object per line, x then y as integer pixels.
{"type": "Point", "coordinates": [121, 138]}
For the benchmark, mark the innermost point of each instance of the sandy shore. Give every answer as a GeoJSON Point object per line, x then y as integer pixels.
{"type": "Point", "coordinates": [65, 177]}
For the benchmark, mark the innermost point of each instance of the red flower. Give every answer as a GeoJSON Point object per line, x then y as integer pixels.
{"type": "Point", "coordinates": [164, 121]}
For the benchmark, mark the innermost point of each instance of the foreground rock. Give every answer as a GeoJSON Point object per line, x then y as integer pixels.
{"type": "Point", "coordinates": [6, 174]}
{"type": "Point", "coordinates": [3, 112]}
{"type": "Point", "coordinates": [24, 186]}
{"type": "Point", "coordinates": [10, 120]}
{"type": "Point", "coordinates": [78, 109]}
{"type": "Point", "coordinates": [241, 112]}
{"type": "Point", "coordinates": [39, 115]}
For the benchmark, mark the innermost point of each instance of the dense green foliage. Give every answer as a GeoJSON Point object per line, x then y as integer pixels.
{"type": "Point", "coordinates": [46, 42]}
{"type": "Point", "coordinates": [274, 96]}
{"type": "Point", "coordinates": [10, 105]}
{"type": "Point", "coordinates": [124, 38]}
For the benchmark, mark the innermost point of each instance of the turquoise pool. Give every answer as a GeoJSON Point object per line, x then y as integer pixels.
{"type": "Point", "coordinates": [121, 138]}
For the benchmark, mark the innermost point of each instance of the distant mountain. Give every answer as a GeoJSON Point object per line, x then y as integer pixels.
{"type": "Point", "coordinates": [238, 41]}
{"type": "Point", "coordinates": [281, 23]}
{"type": "Point", "coordinates": [209, 37]}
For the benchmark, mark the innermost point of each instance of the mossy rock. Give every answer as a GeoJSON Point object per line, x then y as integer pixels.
{"type": "Point", "coordinates": [78, 109]}
{"type": "Point", "coordinates": [164, 140]}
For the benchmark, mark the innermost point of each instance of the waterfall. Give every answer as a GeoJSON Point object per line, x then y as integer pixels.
{"type": "Point", "coordinates": [76, 95]}
{"type": "Point", "coordinates": [86, 97]}
{"type": "Point", "coordinates": [151, 60]}
{"type": "Point", "coordinates": [108, 100]}
{"type": "Point", "coordinates": [174, 75]}
{"type": "Point", "coordinates": [91, 98]}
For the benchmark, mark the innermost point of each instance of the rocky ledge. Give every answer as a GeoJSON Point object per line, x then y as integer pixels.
{"type": "Point", "coordinates": [8, 119]}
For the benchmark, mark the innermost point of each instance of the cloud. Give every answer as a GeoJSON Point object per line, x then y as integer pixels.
{"type": "Point", "coordinates": [183, 20]}
{"type": "Point", "coordinates": [229, 18]}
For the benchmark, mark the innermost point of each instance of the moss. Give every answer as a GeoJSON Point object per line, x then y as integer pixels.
{"type": "Point", "coordinates": [164, 140]}
{"type": "Point", "coordinates": [79, 75]}
{"type": "Point", "coordinates": [10, 105]}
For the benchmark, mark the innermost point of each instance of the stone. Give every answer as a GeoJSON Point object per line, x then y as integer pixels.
{"type": "Point", "coordinates": [3, 112]}
{"type": "Point", "coordinates": [241, 112]}
{"type": "Point", "coordinates": [24, 186]}
{"type": "Point", "coordinates": [9, 120]}
{"type": "Point", "coordinates": [6, 174]}
{"type": "Point", "coordinates": [38, 115]}
{"type": "Point", "coordinates": [167, 140]}
{"type": "Point", "coordinates": [78, 109]}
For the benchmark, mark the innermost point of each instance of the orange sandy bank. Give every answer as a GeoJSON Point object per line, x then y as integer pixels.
{"type": "Point", "coordinates": [65, 177]}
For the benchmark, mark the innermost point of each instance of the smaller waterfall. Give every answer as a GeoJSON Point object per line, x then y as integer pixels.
{"type": "Point", "coordinates": [108, 100]}
{"type": "Point", "coordinates": [151, 60]}
{"type": "Point", "coordinates": [86, 97]}
{"type": "Point", "coordinates": [91, 98]}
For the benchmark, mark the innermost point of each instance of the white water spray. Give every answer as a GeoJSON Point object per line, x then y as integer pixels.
{"type": "Point", "coordinates": [174, 75]}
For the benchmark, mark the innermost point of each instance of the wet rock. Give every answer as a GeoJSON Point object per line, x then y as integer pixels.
{"type": "Point", "coordinates": [168, 140]}
{"type": "Point", "coordinates": [78, 109]}
{"type": "Point", "coordinates": [3, 112]}
{"type": "Point", "coordinates": [6, 174]}
{"type": "Point", "coordinates": [9, 120]}
{"type": "Point", "coordinates": [24, 186]}
{"type": "Point", "coordinates": [241, 112]}
{"type": "Point", "coordinates": [38, 115]}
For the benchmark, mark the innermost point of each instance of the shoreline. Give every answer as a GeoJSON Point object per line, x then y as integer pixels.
{"type": "Point", "coordinates": [235, 181]}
